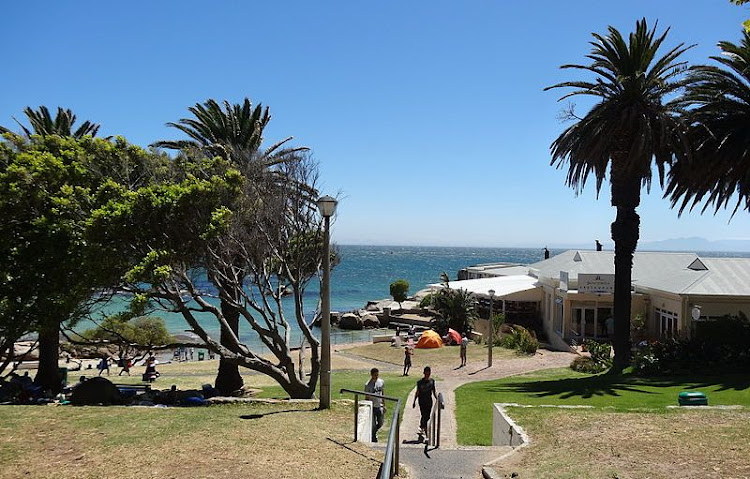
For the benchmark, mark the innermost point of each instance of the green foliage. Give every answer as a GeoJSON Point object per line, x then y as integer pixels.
{"type": "Point", "coordinates": [600, 360]}
{"type": "Point", "coordinates": [520, 339]}
{"type": "Point", "coordinates": [399, 290]}
{"type": "Point", "coordinates": [427, 301]}
{"type": "Point", "coordinates": [62, 125]}
{"type": "Point", "coordinates": [720, 345]}
{"type": "Point", "coordinates": [456, 309]}
{"type": "Point", "coordinates": [131, 335]}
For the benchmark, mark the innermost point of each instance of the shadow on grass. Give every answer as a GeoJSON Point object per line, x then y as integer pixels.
{"type": "Point", "coordinates": [616, 385]}
{"type": "Point", "coordinates": [352, 450]}
{"type": "Point", "coordinates": [258, 416]}
{"type": "Point", "coordinates": [585, 388]}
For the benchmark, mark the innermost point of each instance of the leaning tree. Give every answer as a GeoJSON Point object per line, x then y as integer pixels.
{"type": "Point", "coordinates": [233, 132]}
{"type": "Point", "coordinates": [632, 127]}
{"type": "Point", "coordinates": [253, 238]}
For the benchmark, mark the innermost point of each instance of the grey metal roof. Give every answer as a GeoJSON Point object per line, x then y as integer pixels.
{"type": "Point", "coordinates": [662, 271]}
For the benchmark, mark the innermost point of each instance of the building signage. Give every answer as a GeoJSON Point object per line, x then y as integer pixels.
{"type": "Point", "coordinates": [596, 283]}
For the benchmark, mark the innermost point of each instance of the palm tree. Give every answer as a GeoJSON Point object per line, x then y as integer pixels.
{"type": "Point", "coordinates": [42, 124]}
{"type": "Point", "coordinates": [632, 128]}
{"type": "Point", "coordinates": [235, 133]}
{"type": "Point", "coordinates": [718, 98]}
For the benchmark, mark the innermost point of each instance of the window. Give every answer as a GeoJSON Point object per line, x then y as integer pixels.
{"type": "Point", "coordinates": [668, 323]}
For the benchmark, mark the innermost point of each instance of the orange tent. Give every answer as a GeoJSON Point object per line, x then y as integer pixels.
{"type": "Point", "coordinates": [453, 336]}
{"type": "Point", "coordinates": [429, 339]}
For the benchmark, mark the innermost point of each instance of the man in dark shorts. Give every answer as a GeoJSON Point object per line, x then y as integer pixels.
{"type": "Point", "coordinates": [425, 393]}
{"type": "Point", "coordinates": [407, 359]}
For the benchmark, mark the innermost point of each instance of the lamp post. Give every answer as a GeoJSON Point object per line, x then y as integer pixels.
{"type": "Point", "coordinates": [327, 207]}
{"type": "Point", "coordinates": [492, 329]}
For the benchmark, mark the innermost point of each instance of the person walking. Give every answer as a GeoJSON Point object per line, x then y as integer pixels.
{"type": "Point", "coordinates": [424, 394]}
{"type": "Point", "coordinates": [104, 365]}
{"type": "Point", "coordinates": [408, 353]}
{"type": "Point", "coordinates": [126, 364]}
{"type": "Point", "coordinates": [464, 347]}
{"type": "Point", "coordinates": [375, 385]}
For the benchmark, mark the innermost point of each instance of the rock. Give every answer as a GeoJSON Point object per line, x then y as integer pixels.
{"type": "Point", "coordinates": [96, 390]}
{"type": "Point", "coordinates": [370, 321]}
{"type": "Point", "coordinates": [372, 306]}
{"type": "Point", "coordinates": [350, 321]}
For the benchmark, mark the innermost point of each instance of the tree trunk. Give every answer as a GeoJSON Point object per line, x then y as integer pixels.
{"type": "Point", "coordinates": [228, 378]}
{"type": "Point", "coordinates": [626, 194]}
{"type": "Point", "coordinates": [48, 375]}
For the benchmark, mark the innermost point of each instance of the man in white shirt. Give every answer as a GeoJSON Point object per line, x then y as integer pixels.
{"type": "Point", "coordinates": [375, 386]}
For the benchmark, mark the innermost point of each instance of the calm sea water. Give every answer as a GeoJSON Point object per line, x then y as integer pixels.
{"type": "Point", "coordinates": [366, 272]}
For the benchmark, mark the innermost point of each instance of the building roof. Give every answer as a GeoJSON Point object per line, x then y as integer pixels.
{"type": "Point", "coordinates": [678, 273]}
{"type": "Point", "coordinates": [514, 288]}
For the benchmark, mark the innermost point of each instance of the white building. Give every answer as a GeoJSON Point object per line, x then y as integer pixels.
{"type": "Point", "coordinates": [571, 294]}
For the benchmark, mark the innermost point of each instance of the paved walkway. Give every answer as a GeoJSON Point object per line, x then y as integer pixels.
{"type": "Point", "coordinates": [451, 460]}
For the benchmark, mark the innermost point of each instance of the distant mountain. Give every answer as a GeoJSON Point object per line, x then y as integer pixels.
{"type": "Point", "coordinates": [696, 244]}
{"type": "Point", "coordinates": [693, 244]}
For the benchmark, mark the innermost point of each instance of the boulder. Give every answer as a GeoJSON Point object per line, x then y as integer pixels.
{"type": "Point", "coordinates": [96, 390]}
{"type": "Point", "coordinates": [350, 321]}
{"type": "Point", "coordinates": [370, 321]}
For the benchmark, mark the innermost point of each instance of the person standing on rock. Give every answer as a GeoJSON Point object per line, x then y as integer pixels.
{"type": "Point", "coordinates": [424, 394]}
{"type": "Point", "coordinates": [375, 385]}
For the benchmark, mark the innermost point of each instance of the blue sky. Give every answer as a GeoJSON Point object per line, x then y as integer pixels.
{"type": "Point", "coordinates": [428, 117]}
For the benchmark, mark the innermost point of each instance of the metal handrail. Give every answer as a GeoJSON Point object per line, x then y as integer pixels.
{"type": "Point", "coordinates": [391, 458]}
{"type": "Point", "coordinates": [433, 434]}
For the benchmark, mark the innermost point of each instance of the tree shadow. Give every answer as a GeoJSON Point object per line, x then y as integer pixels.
{"type": "Point", "coordinates": [585, 388]}
{"type": "Point", "coordinates": [258, 416]}
{"type": "Point", "coordinates": [615, 385]}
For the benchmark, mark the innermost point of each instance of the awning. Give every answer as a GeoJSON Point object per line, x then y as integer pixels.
{"type": "Point", "coordinates": [512, 288]}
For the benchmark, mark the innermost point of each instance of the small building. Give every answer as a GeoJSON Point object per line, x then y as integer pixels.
{"type": "Point", "coordinates": [671, 292]}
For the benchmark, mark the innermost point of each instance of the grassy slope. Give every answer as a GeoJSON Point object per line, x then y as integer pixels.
{"type": "Point", "coordinates": [219, 441]}
{"type": "Point", "coordinates": [566, 387]}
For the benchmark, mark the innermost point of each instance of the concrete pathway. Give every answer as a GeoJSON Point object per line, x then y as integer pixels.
{"type": "Point", "coordinates": [451, 460]}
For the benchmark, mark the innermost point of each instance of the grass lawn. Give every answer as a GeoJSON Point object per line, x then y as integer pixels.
{"type": "Point", "coordinates": [249, 441]}
{"type": "Point", "coordinates": [438, 358]}
{"type": "Point", "coordinates": [599, 443]}
{"type": "Point", "coordinates": [565, 387]}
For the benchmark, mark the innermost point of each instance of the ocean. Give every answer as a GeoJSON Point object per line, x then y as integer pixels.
{"type": "Point", "coordinates": [366, 272]}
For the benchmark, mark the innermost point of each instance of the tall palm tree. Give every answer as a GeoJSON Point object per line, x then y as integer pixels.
{"type": "Point", "coordinates": [235, 133]}
{"type": "Point", "coordinates": [718, 98]}
{"type": "Point", "coordinates": [630, 129]}
{"type": "Point", "coordinates": [43, 124]}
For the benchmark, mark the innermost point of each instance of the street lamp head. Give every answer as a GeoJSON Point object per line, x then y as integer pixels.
{"type": "Point", "coordinates": [491, 292]}
{"type": "Point", "coordinates": [327, 205]}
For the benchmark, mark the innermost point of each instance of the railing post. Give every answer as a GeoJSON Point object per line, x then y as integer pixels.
{"type": "Point", "coordinates": [397, 446]}
{"type": "Point", "coordinates": [356, 415]}
{"type": "Point", "coordinates": [437, 436]}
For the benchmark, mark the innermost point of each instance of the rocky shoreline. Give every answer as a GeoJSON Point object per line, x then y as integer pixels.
{"type": "Point", "coordinates": [384, 313]}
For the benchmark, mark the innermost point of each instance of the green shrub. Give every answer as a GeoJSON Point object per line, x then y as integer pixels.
{"type": "Point", "coordinates": [584, 364]}
{"type": "Point", "coordinates": [521, 339]}
{"type": "Point", "coordinates": [601, 353]}
{"type": "Point", "coordinates": [427, 301]}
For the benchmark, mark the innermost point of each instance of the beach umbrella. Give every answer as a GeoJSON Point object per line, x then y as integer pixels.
{"type": "Point", "coordinates": [453, 336]}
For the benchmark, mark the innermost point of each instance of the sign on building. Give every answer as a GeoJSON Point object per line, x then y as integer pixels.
{"type": "Point", "coordinates": [596, 283]}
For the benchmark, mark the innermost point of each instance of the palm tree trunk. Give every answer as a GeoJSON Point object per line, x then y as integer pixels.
{"type": "Point", "coordinates": [48, 374]}
{"type": "Point", "coordinates": [626, 196]}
